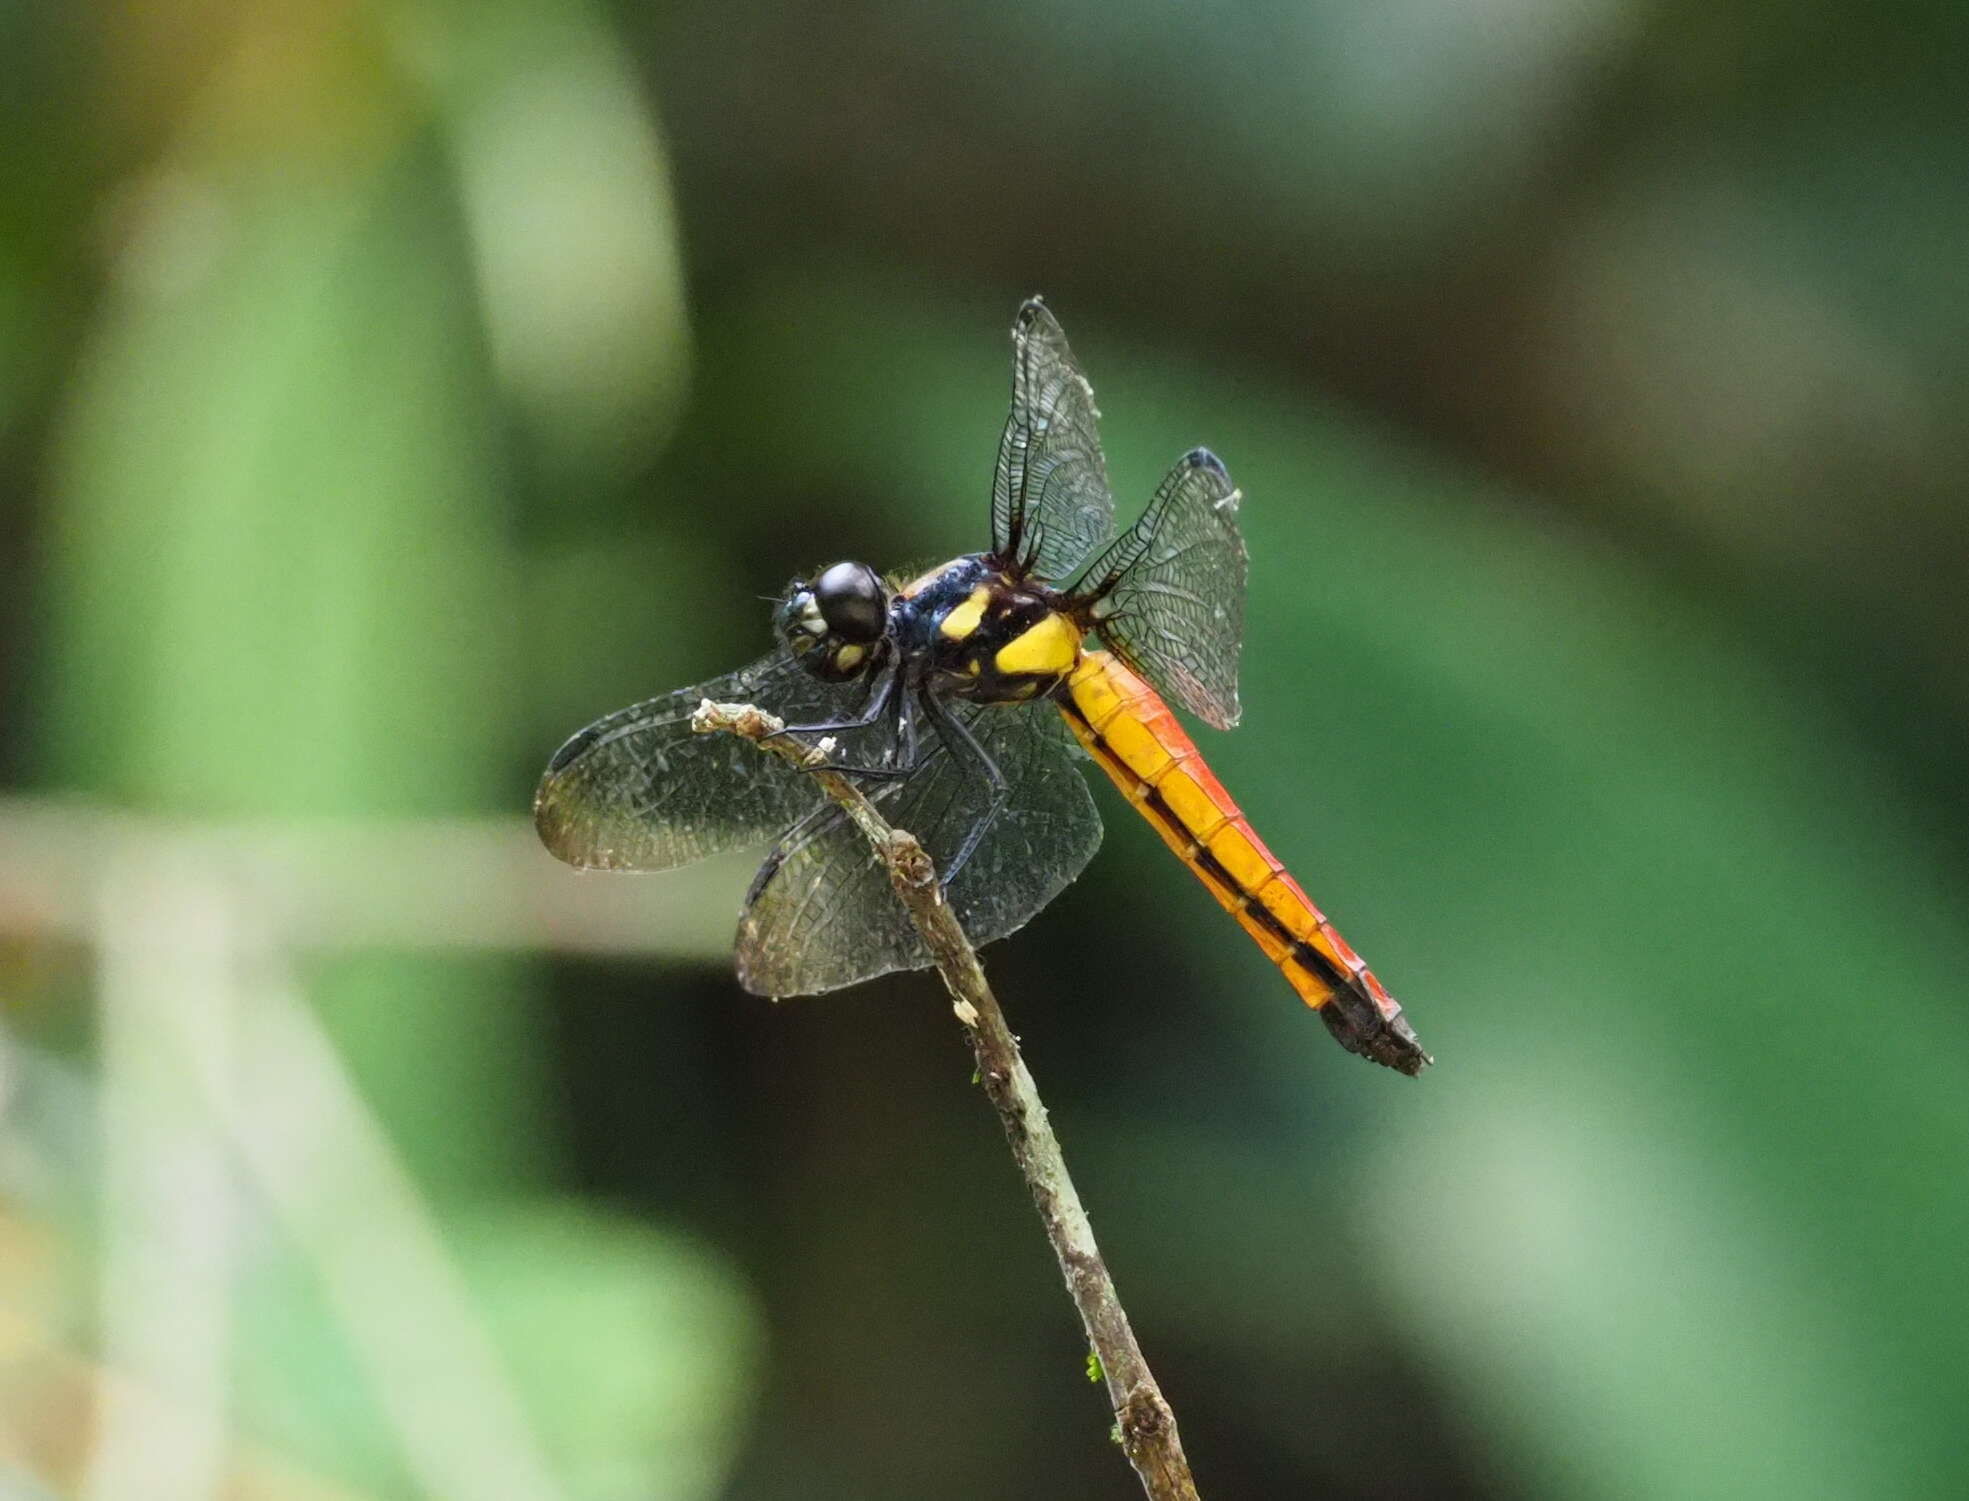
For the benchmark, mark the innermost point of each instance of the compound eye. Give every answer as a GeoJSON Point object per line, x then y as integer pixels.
{"type": "Point", "coordinates": [852, 602]}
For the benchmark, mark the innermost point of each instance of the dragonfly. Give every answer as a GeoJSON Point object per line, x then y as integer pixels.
{"type": "Point", "coordinates": [965, 702]}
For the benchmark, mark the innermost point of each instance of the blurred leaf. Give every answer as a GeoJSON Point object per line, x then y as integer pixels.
{"type": "Point", "coordinates": [565, 193]}
{"type": "Point", "coordinates": [281, 579]}
{"type": "Point", "coordinates": [637, 1353]}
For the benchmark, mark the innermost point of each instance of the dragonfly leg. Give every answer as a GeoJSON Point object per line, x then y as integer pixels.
{"type": "Point", "coordinates": [905, 754]}
{"type": "Point", "coordinates": [957, 735]}
{"type": "Point", "coordinates": [881, 696]}
{"type": "Point", "coordinates": [826, 817]}
{"type": "Point", "coordinates": [872, 709]}
{"type": "Point", "coordinates": [906, 751]}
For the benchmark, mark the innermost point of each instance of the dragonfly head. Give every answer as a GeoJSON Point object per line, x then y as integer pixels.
{"type": "Point", "coordinates": [837, 624]}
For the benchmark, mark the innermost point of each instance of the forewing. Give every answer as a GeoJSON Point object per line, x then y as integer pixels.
{"type": "Point", "coordinates": [1050, 502]}
{"type": "Point", "coordinates": [639, 790]}
{"type": "Point", "coordinates": [1168, 595]}
{"type": "Point", "coordinates": [826, 916]}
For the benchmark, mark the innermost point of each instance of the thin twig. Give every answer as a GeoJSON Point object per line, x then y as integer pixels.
{"type": "Point", "coordinates": [1146, 1425]}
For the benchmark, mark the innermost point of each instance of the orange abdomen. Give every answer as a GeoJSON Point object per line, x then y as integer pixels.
{"type": "Point", "coordinates": [1131, 733]}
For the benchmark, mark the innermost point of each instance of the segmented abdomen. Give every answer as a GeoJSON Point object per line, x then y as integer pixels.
{"type": "Point", "coordinates": [1137, 741]}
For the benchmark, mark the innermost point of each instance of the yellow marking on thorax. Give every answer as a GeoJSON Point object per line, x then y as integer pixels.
{"type": "Point", "coordinates": [1048, 649]}
{"type": "Point", "coordinates": [963, 620]}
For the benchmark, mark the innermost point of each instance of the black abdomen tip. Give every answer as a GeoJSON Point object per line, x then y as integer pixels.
{"type": "Point", "coordinates": [1358, 1025]}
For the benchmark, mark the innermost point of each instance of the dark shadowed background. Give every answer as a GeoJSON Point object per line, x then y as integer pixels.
{"type": "Point", "coordinates": [387, 389]}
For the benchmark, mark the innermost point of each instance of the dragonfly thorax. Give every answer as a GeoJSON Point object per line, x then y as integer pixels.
{"type": "Point", "coordinates": [979, 632]}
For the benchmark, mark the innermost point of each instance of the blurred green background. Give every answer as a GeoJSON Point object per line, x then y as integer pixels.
{"type": "Point", "coordinates": [387, 389]}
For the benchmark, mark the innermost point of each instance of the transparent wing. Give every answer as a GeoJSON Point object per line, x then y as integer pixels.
{"type": "Point", "coordinates": [638, 790]}
{"type": "Point", "coordinates": [1050, 503]}
{"type": "Point", "coordinates": [1168, 595]}
{"type": "Point", "coordinates": [823, 914]}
